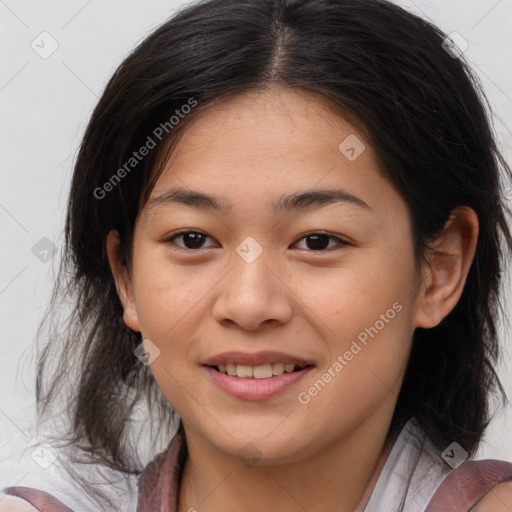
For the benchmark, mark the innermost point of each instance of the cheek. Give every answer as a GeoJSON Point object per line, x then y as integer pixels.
{"type": "Point", "coordinates": [365, 368]}
{"type": "Point", "coordinates": [167, 294]}
{"type": "Point", "coordinates": [167, 298]}
{"type": "Point", "coordinates": [352, 297]}
{"type": "Point", "coordinates": [366, 311]}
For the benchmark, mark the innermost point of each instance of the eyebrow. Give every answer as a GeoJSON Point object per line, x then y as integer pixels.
{"type": "Point", "coordinates": [298, 201]}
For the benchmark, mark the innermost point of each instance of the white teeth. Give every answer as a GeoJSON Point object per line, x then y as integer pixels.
{"type": "Point", "coordinates": [264, 371]}
{"type": "Point", "coordinates": [278, 368]}
{"type": "Point", "coordinates": [243, 371]}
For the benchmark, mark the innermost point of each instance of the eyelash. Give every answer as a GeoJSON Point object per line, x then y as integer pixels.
{"type": "Point", "coordinates": [186, 232]}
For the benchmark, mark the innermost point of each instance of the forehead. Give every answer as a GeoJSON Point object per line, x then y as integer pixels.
{"type": "Point", "coordinates": [260, 124]}
{"type": "Point", "coordinates": [278, 146]}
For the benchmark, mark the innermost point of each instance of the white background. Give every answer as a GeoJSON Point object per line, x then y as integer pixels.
{"type": "Point", "coordinates": [45, 105]}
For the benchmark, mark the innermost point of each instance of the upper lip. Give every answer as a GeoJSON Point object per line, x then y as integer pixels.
{"type": "Point", "coordinates": [256, 359]}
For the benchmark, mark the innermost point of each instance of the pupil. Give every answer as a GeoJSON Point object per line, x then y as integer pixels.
{"type": "Point", "coordinates": [193, 240]}
{"type": "Point", "coordinates": [319, 242]}
{"type": "Point", "coordinates": [314, 242]}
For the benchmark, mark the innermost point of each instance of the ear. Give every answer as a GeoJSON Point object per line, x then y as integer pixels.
{"type": "Point", "coordinates": [123, 281]}
{"type": "Point", "coordinates": [448, 266]}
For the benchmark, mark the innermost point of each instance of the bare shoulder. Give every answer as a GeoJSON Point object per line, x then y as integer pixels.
{"type": "Point", "coordinates": [15, 504]}
{"type": "Point", "coordinates": [498, 499]}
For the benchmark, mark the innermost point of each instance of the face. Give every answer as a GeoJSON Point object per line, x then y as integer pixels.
{"type": "Point", "coordinates": [327, 282]}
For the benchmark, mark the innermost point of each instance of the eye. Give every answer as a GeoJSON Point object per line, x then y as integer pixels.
{"type": "Point", "coordinates": [191, 239]}
{"type": "Point", "coordinates": [320, 241]}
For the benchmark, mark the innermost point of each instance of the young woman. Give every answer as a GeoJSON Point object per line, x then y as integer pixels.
{"type": "Point", "coordinates": [285, 238]}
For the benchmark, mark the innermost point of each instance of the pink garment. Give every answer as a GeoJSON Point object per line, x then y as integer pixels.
{"type": "Point", "coordinates": [39, 499]}
{"type": "Point", "coordinates": [464, 486]}
{"type": "Point", "coordinates": [158, 485]}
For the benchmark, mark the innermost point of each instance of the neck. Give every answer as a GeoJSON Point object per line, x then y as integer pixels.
{"type": "Point", "coordinates": [339, 478]}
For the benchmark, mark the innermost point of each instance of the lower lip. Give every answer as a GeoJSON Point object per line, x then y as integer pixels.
{"type": "Point", "coordinates": [256, 389]}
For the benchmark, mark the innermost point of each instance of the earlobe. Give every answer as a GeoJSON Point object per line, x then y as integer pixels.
{"type": "Point", "coordinates": [122, 281]}
{"type": "Point", "coordinates": [448, 266]}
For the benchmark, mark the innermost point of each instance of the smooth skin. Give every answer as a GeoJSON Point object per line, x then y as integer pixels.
{"type": "Point", "coordinates": [195, 302]}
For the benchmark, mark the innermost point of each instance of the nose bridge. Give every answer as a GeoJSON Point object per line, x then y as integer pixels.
{"type": "Point", "coordinates": [250, 279]}
{"type": "Point", "coordinates": [251, 293]}
{"type": "Point", "coordinates": [251, 267]}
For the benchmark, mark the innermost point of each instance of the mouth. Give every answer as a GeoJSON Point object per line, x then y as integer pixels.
{"type": "Point", "coordinates": [264, 371]}
{"type": "Point", "coordinates": [261, 382]}
{"type": "Point", "coordinates": [258, 375]}
{"type": "Point", "coordinates": [259, 365]}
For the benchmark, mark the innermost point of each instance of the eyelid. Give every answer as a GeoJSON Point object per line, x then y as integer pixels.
{"type": "Point", "coordinates": [170, 239]}
{"type": "Point", "coordinates": [341, 241]}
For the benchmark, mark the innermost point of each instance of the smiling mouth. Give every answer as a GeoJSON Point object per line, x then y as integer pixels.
{"type": "Point", "coordinates": [264, 371]}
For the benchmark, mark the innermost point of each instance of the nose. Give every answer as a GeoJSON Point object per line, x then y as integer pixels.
{"type": "Point", "coordinates": [253, 295]}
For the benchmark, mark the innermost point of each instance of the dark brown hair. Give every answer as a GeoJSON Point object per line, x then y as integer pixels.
{"type": "Point", "coordinates": [421, 109]}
